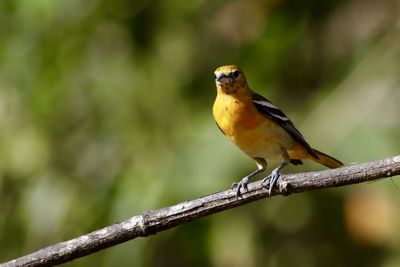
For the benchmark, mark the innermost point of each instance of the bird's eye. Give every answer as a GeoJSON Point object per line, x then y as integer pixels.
{"type": "Point", "coordinates": [236, 73]}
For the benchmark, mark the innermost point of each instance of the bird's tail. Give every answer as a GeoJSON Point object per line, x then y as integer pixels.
{"type": "Point", "coordinates": [326, 160]}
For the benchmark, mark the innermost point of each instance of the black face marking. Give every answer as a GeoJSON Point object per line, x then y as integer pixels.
{"type": "Point", "coordinates": [229, 89]}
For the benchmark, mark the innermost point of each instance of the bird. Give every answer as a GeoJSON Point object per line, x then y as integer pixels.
{"type": "Point", "coordinates": [259, 128]}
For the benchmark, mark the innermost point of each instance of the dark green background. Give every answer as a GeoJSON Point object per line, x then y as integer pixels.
{"type": "Point", "coordinates": [105, 112]}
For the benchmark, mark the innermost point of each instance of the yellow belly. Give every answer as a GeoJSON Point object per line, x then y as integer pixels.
{"type": "Point", "coordinates": [255, 135]}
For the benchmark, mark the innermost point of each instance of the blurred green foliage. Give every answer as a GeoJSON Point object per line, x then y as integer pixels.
{"type": "Point", "coordinates": [105, 111]}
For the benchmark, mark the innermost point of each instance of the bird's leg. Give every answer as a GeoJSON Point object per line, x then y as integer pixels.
{"type": "Point", "coordinates": [261, 164]}
{"type": "Point", "coordinates": [271, 179]}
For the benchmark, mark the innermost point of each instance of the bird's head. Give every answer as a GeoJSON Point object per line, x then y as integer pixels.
{"type": "Point", "coordinates": [230, 79]}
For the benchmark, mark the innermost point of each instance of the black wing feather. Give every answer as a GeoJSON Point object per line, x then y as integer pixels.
{"type": "Point", "coordinates": [269, 110]}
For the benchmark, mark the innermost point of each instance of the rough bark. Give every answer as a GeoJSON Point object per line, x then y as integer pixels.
{"type": "Point", "coordinates": [153, 221]}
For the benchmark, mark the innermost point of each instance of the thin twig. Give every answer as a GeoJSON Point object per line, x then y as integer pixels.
{"type": "Point", "coordinates": [151, 222]}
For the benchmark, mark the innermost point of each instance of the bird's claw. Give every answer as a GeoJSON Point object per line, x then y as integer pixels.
{"type": "Point", "coordinates": [265, 181]}
{"type": "Point", "coordinates": [234, 185]}
{"type": "Point", "coordinates": [242, 184]}
{"type": "Point", "coordinates": [270, 181]}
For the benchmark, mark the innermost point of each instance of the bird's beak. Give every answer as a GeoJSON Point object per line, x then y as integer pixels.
{"type": "Point", "coordinates": [219, 76]}
{"type": "Point", "coordinates": [222, 78]}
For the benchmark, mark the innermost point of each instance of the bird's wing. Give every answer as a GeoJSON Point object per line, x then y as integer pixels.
{"type": "Point", "coordinates": [270, 111]}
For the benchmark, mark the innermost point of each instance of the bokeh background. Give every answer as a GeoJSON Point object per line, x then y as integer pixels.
{"type": "Point", "coordinates": [105, 112]}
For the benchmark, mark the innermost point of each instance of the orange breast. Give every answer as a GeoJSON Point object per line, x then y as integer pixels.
{"type": "Point", "coordinates": [233, 115]}
{"type": "Point", "coordinates": [256, 135]}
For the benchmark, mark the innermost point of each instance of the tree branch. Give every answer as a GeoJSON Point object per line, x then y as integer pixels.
{"type": "Point", "coordinates": [151, 222]}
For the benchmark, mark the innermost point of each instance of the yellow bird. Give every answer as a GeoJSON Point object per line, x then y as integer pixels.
{"type": "Point", "coordinates": [259, 128]}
